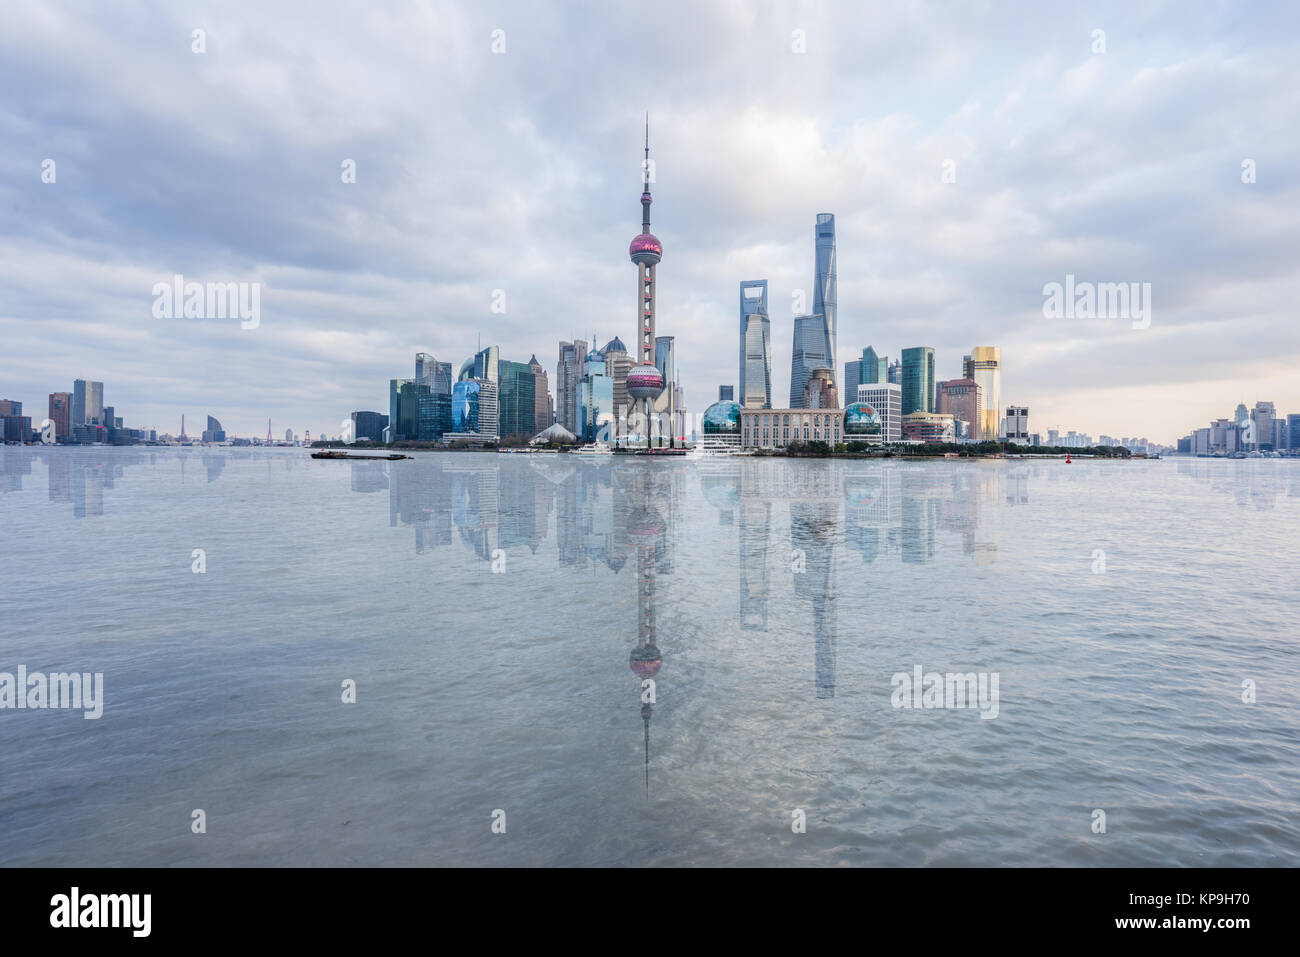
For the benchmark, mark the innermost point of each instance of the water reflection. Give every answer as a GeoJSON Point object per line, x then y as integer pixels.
{"type": "Point", "coordinates": [603, 515]}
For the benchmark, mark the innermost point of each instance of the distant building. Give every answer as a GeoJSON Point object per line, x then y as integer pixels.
{"type": "Point", "coordinates": [403, 410]}
{"type": "Point", "coordinates": [755, 346]}
{"type": "Point", "coordinates": [929, 427]}
{"type": "Point", "coordinates": [895, 374]}
{"type": "Point", "coordinates": [1262, 417]}
{"type": "Point", "coordinates": [1293, 430]}
{"type": "Point", "coordinates": [885, 401]}
{"type": "Point", "coordinates": [820, 392]}
{"type": "Point", "coordinates": [875, 369]}
{"type": "Point", "coordinates": [60, 413]}
{"type": "Point", "coordinates": [568, 373]}
{"type": "Point", "coordinates": [961, 398]}
{"type": "Point", "coordinates": [214, 432]}
{"type": "Point", "coordinates": [918, 380]}
{"type": "Point", "coordinates": [595, 400]}
{"type": "Point", "coordinates": [808, 353]}
{"type": "Point", "coordinates": [778, 428]}
{"type": "Point", "coordinates": [366, 427]}
{"type": "Point", "coordinates": [984, 365]}
{"type": "Point", "coordinates": [726, 393]}
{"type": "Point", "coordinates": [541, 396]}
{"type": "Point", "coordinates": [87, 403]}
{"type": "Point", "coordinates": [1018, 424]}
{"type": "Point", "coordinates": [474, 410]}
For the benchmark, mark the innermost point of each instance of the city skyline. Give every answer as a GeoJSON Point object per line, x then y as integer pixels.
{"type": "Point", "coordinates": [509, 193]}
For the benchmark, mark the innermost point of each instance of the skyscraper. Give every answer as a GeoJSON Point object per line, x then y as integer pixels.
{"type": "Point", "coordinates": [918, 380]}
{"type": "Point", "coordinates": [474, 408]}
{"type": "Point", "coordinates": [404, 409]}
{"type": "Point", "coordinates": [895, 373]}
{"type": "Point", "coordinates": [87, 403]}
{"type": "Point", "coordinates": [1262, 416]}
{"type": "Point", "coordinates": [517, 414]}
{"type": "Point", "coordinates": [568, 373]}
{"type": "Point", "coordinates": [807, 353]}
{"type": "Point", "coordinates": [984, 365]}
{"type": "Point", "coordinates": [875, 368]}
{"type": "Point", "coordinates": [61, 413]}
{"type": "Point", "coordinates": [961, 398]}
{"type": "Point", "coordinates": [824, 294]}
{"type": "Point", "coordinates": [755, 346]}
{"type": "Point", "coordinates": [541, 397]}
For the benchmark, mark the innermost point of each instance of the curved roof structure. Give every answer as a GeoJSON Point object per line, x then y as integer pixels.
{"type": "Point", "coordinates": [556, 433]}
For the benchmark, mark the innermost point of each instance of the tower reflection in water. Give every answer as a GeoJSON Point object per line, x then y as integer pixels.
{"type": "Point", "coordinates": [603, 515]}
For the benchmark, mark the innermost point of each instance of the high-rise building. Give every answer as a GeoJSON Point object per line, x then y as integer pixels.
{"type": "Point", "coordinates": [214, 432]}
{"type": "Point", "coordinates": [807, 353]}
{"type": "Point", "coordinates": [433, 397]}
{"type": "Point", "coordinates": [875, 368]}
{"type": "Point", "coordinates": [541, 397]}
{"type": "Point", "coordinates": [366, 426]}
{"type": "Point", "coordinates": [852, 376]}
{"type": "Point", "coordinates": [61, 414]}
{"type": "Point", "coordinates": [755, 346]}
{"type": "Point", "coordinates": [517, 415]}
{"type": "Point", "coordinates": [881, 415]}
{"type": "Point", "coordinates": [895, 373]}
{"type": "Point", "coordinates": [984, 366]}
{"type": "Point", "coordinates": [595, 400]}
{"type": "Point", "coordinates": [962, 399]}
{"type": "Point", "coordinates": [645, 381]}
{"type": "Point", "coordinates": [87, 403]}
{"type": "Point", "coordinates": [918, 380]}
{"type": "Point", "coordinates": [10, 407]}
{"type": "Point", "coordinates": [727, 393]}
{"type": "Point", "coordinates": [568, 373]}
{"type": "Point", "coordinates": [825, 297]}
{"type": "Point", "coordinates": [820, 392]}
{"type": "Point", "coordinates": [1262, 416]}
{"type": "Point", "coordinates": [1018, 424]}
{"type": "Point", "coordinates": [1293, 430]}
{"type": "Point", "coordinates": [404, 410]}
{"type": "Point", "coordinates": [474, 410]}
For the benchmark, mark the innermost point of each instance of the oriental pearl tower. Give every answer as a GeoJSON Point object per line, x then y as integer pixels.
{"type": "Point", "coordinates": [644, 381]}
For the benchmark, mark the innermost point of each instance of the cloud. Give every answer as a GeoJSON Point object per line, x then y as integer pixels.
{"type": "Point", "coordinates": [519, 171]}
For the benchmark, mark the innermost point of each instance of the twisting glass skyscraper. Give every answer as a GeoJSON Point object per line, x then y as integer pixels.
{"type": "Point", "coordinates": [814, 335]}
{"type": "Point", "coordinates": [824, 295]}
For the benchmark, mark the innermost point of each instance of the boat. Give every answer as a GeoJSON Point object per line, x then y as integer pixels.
{"type": "Point", "coordinates": [711, 448]}
{"type": "Point", "coordinates": [595, 448]}
{"type": "Point", "coordinates": [357, 458]}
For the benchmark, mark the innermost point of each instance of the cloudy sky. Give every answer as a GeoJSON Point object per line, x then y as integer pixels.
{"type": "Point", "coordinates": [518, 171]}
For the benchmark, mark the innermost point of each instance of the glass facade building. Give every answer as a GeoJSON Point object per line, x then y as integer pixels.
{"type": "Point", "coordinates": [474, 408]}
{"type": "Point", "coordinates": [755, 346]}
{"type": "Point", "coordinates": [808, 353]}
{"type": "Point", "coordinates": [825, 296]}
{"type": "Point", "coordinates": [984, 366]}
{"type": "Point", "coordinates": [918, 380]}
{"type": "Point", "coordinates": [404, 409]}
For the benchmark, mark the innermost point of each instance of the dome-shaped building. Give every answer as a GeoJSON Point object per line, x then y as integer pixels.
{"type": "Point", "coordinates": [722, 418]}
{"type": "Point", "coordinates": [862, 421]}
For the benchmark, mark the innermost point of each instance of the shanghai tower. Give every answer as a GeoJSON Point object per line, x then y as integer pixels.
{"type": "Point", "coordinates": [824, 295]}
